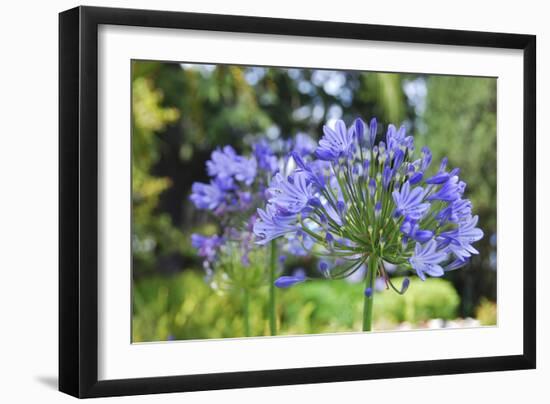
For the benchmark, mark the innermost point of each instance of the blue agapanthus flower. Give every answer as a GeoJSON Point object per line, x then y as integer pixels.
{"type": "Point", "coordinates": [335, 143]}
{"type": "Point", "coordinates": [291, 194]}
{"type": "Point", "coordinates": [410, 203]}
{"type": "Point", "coordinates": [236, 189]}
{"type": "Point", "coordinates": [427, 258]}
{"type": "Point", "coordinates": [365, 199]}
{"type": "Point", "coordinates": [273, 224]}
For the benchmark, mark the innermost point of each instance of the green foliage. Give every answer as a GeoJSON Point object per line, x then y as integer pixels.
{"type": "Point", "coordinates": [217, 105]}
{"type": "Point", "coordinates": [433, 298]}
{"type": "Point", "coordinates": [153, 234]}
{"type": "Point", "coordinates": [464, 130]}
{"type": "Point", "coordinates": [460, 119]}
{"type": "Point", "coordinates": [231, 274]}
{"type": "Point", "coordinates": [385, 92]}
{"type": "Point", "coordinates": [185, 307]}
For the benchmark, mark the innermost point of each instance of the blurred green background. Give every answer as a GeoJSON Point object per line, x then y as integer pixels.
{"type": "Point", "coordinates": [181, 112]}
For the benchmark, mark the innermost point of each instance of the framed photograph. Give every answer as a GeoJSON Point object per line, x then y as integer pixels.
{"type": "Point", "coordinates": [252, 201]}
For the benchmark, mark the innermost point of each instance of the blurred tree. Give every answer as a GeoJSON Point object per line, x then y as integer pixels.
{"type": "Point", "coordinates": [460, 122]}
{"type": "Point", "coordinates": [304, 100]}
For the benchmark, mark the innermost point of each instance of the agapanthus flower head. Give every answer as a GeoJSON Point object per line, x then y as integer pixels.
{"type": "Point", "coordinates": [362, 199]}
{"type": "Point", "coordinates": [237, 188]}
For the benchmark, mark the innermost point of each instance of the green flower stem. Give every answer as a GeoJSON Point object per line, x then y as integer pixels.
{"type": "Point", "coordinates": [246, 312]}
{"type": "Point", "coordinates": [369, 300]}
{"type": "Point", "coordinates": [272, 302]}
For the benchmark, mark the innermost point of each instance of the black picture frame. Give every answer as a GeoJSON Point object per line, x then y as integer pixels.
{"type": "Point", "coordinates": [78, 201]}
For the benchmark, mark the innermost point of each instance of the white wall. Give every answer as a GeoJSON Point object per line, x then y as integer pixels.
{"type": "Point", "coordinates": [28, 198]}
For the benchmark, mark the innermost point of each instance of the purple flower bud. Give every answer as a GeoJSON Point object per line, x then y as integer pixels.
{"type": "Point", "coordinates": [323, 266]}
{"type": "Point", "coordinates": [423, 236]}
{"type": "Point", "coordinates": [449, 191]}
{"type": "Point", "coordinates": [416, 178]}
{"type": "Point", "coordinates": [439, 178]}
{"type": "Point", "coordinates": [443, 164]}
{"type": "Point", "coordinates": [288, 281]}
{"type": "Point", "coordinates": [461, 187]}
{"type": "Point", "coordinates": [454, 171]}
{"type": "Point", "coordinates": [341, 206]}
{"type": "Point", "coordinates": [298, 160]}
{"type": "Point", "coordinates": [315, 202]}
{"type": "Point", "coordinates": [368, 292]}
{"type": "Point", "coordinates": [282, 259]}
{"type": "Point", "coordinates": [377, 209]}
{"type": "Point", "coordinates": [398, 159]}
{"type": "Point", "coordinates": [329, 238]}
{"type": "Point", "coordinates": [359, 130]}
{"type": "Point", "coordinates": [457, 263]}
{"type": "Point", "coordinates": [372, 186]}
{"type": "Point", "coordinates": [366, 165]}
{"type": "Point", "coordinates": [405, 285]}
{"type": "Point", "coordinates": [426, 158]}
{"type": "Point", "coordinates": [387, 176]}
{"type": "Point", "coordinates": [372, 132]}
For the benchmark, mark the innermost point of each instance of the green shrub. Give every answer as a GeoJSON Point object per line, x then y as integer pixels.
{"type": "Point", "coordinates": [185, 307]}
{"type": "Point", "coordinates": [433, 298]}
